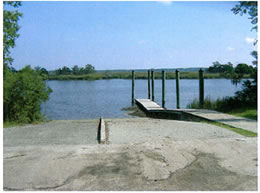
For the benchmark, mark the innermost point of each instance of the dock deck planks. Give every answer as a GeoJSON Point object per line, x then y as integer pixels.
{"type": "Point", "coordinates": [148, 104]}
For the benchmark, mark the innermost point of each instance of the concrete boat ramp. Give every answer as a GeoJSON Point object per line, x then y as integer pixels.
{"type": "Point", "coordinates": [131, 154]}
{"type": "Point", "coordinates": [136, 154]}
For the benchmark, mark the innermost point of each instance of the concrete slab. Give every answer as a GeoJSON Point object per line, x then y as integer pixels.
{"type": "Point", "coordinates": [239, 122]}
{"type": "Point", "coordinates": [151, 154]}
{"type": "Point", "coordinates": [68, 132]}
{"type": "Point", "coordinates": [125, 131]}
{"type": "Point", "coordinates": [213, 164]}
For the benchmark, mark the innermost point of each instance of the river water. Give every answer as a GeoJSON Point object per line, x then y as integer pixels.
{"type": "Point", "coordinates": [82, 99]}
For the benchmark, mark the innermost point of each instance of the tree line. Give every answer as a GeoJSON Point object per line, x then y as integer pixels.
{"type": "Point", "coordinates": [241, 68]}
{"type": "Point", "coordinates": [75, 70]}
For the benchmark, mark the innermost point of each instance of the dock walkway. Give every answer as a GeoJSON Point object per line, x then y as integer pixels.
{"type": "Point", "coordinates": [238, 122]}
{"type": "Point", "coordinates": [149, 105]}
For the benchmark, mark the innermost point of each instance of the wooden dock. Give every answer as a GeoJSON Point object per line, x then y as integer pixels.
{"type": "Point", "coordinates": [148, 105]}
{"type": "Point", "coordinates": [155, 110]}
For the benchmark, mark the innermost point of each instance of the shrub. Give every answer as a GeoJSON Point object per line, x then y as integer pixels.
{"type": "Point", "coordinates": [23, 93]}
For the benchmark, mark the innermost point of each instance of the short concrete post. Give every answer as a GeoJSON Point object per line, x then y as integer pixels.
{"type": "Point", "coordinates": [163, 89]}
{"type": "Point", "coordinates": [149, 86]}
{"type": "Point", "coordinates": [177, 88]}
{"type": "Point", "coordinates": [201, 87]}
{"type": "Point", "coordinates": [152, 85]}
{"type": "Point", "coordinates": [133, 87]}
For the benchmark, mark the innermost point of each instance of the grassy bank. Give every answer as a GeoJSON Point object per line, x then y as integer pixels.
{"type": "Point", "coordinates": [219, 105]}
{"type": "Point", "coordinates": [237, 130]}
{"type": "Point", "coordinates": [138, 75]}
{"type": "Point", "coordinates": [7, 124]}
{"type": "Point", "coordinates": [19, 124]}
{"type": "Point", "coordinates": [247, 113]}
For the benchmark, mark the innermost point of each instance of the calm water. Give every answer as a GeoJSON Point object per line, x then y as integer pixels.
{"type": "Point", "coordinates": [79, 99]}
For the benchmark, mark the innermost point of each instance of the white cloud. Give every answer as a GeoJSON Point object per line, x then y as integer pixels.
{"type": "Point", "coordinates": [229, 48]}
{"type": "Point", "coordinates": [165, 2]}
{"type": "Point", "coordinates": [250, 40]}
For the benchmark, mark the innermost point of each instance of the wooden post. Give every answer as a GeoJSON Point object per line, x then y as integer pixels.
{"type": "Point", "coordinates": [177, 88]}
{"type": "Point", "coordinates": [163, 89]}
{"type": "Point", "coordinates": [133, 87]}
{"type": "Point", "coordinates": [149, 86]}
{"type": "Point", "coordinates": [201, 87]}
{"type": "Point", "coordinates": [152, 85]}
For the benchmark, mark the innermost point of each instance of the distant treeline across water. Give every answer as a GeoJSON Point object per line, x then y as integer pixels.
{"type": "Point", "coordinates": [139, 75]}
{"type": "Point", "coordinates": [89, 73]}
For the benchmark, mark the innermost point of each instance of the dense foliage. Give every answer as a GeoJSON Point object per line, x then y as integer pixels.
{"type": "Point", "coordinates": [10, 28]}
{"type": "Point", "coordinates": [228, 68]}
{"type": "Point", "coordinates": [244, 69]}
{"type": "Point", "coordinates": [248, 95]}
{"type": "Point", "coordinates": [24, 90]}
{"type": "Point", "coordinates": [23, 93]}
{"type": "Point", "coordinates": [221, 68]}
{"type": "Point", "coordinates": [75, 70]}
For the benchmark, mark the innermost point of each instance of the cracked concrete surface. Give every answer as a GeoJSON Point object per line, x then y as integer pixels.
{"type": "Point", "coordinates": [208, 163]}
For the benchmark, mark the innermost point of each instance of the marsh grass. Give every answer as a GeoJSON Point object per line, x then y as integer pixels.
{"type": "Point", "coordinates": [222, 105]}
{"type": "Point", "coordinates": [138, 75]}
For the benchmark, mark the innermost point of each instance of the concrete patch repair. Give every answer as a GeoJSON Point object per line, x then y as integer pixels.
{"type": "Point", "coordinates": [128, 154]}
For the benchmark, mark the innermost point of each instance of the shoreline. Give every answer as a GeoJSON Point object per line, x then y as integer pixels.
{"type": "Point", "coordinates": [141, 76]}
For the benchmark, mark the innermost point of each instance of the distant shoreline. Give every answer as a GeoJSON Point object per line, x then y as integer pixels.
{"type": "Point", "coordinates": [140, 75]}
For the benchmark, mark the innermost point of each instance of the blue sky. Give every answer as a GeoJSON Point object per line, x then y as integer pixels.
{"type": "Point", "coordinates": [131, 35]}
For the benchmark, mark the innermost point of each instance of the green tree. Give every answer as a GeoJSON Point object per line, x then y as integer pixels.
{"type": "Point", "coordinates": [58, 71]}
{"type": "Point", "coordinates": [75, 70]}
{"type": "Point", "coordinates": [10, 29]}
{"type": "Point", "coordinates": [66, 70]}
{"type": "Point", "coordinates": [244, 69]}
{"type": "Point", "coordinates": [89, 69]}
{"type": "Point", "coordinates": [23, 90]}
{"type": "Point", "coordinates": [247, 7]}
{"type": "Point", "coordinates": [81, 71]}
{"type": "Point", "coordinates": [42, 71]}
{"type": "Point", "coordinates": [221, 68]}
{"type": "Point", "coordinates": [248, 94]}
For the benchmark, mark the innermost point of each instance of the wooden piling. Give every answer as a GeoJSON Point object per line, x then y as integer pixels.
{"type": "Point", "coordinates": [133, 87]}
{"type": "Point", "coordinates": [177, 88]}
{"type": "Point", "coordinates": [163, 89]}
{"type": "Point", "coordinates": [152, 72]}
{"type": "Point", "coordinates": [149, 86]}
{"type": "Point", "coordinates": [201, 88]}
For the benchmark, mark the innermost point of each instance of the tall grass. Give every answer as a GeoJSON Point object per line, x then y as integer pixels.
{"type": "Point", "coordinates": [227, 105]}
{"type": "Point", "coordinates": [208, 104]}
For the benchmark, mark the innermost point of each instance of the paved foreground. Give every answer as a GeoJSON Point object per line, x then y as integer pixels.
{"type": "Point", "coordinates": [155, 155]}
